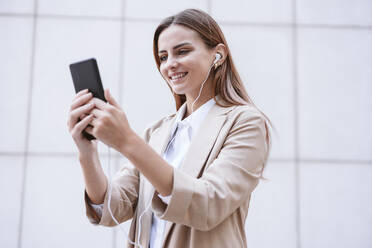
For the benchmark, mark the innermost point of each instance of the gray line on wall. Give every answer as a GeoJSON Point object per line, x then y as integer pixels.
{"type": "Point", "coordinates": [297, 179]}
{"type": "Point", "coordinates": [120, 89]}
{"type": "Point", "coordinates": [209, 9]}
{"type": "Point", "coordinates": [28, 123]}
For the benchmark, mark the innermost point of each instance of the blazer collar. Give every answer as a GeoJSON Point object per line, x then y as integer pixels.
{"type": "Point", "coordinates": [195, 118]}
{"type": "Point", "coordinates": [202, 140]}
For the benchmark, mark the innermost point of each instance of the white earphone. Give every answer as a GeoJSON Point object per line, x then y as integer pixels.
{"type": "Point", "coordinates": [218, 57]}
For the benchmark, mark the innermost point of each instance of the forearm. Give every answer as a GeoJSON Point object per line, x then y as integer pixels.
{"type": "Point", "coordinates": [150, 164]}
{"type": "Point", "coordinates": [95, 179]}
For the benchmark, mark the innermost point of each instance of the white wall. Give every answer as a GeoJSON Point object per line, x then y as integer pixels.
{"type": "Point", "coordinates": [306, 63]}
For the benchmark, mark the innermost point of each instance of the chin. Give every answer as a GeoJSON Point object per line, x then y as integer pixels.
{"type": "Point", "coordinates": [179, 92]}
{"type": "Point", "coordinates": [179, 89]}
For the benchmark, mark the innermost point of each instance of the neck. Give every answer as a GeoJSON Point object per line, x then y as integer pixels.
{"type": "Point", "coordinates": [206, 94]}
{"type": "Point", "coordinates": [201, 100]}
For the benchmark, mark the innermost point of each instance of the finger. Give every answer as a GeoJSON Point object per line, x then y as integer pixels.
{"type": "Point", "coordinates": [89, 129]}
{"type": "Point", "coordinates": [95, 122]}
{"type": "Point", "coordinates": [110, 98]}
{"type": "Point", "coordinates": [98, 113]}
{"type": "Point", "coordinates": [81, 100]}
{"type": "Point", "coordinates": [83, 116]}
{"type": "Point", "coordinates": [82, 124]}
{"type": "Point", "coordinates": [76, 113]}
{"type": "Point", "coordinates": [99, 103]}
{"type": "Point", "coordinates": [82, 92]}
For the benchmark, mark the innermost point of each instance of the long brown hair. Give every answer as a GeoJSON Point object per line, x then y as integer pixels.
{"type": "Point", "coordinates": [226, 80]}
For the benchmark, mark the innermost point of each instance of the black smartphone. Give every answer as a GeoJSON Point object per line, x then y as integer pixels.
{"type": "Point", "coordinates": [85, 75]}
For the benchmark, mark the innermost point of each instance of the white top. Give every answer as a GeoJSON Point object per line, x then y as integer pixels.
{"type": "Point", "coordinates": [181, 136]}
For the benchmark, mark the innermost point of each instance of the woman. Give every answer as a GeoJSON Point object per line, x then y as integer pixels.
{"type": "Point", "coordinates": [190, 177]}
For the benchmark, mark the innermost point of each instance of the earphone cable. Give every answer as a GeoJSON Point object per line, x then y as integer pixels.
{"type": "Point", "coordinates": [109, 201]}
{"type": "Point", "coordinates": [200, 91]}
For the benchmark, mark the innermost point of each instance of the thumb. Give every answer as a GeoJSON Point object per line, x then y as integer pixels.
{"type": "Point", "coordinates": [110, 99]}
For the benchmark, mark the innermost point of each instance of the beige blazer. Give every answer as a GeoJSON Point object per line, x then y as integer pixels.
{"type": "Point", "coordinates": [211, 189]}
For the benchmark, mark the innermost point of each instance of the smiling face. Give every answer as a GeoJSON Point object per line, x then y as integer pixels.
{"type": "Point", "coordinates": [184, 61]}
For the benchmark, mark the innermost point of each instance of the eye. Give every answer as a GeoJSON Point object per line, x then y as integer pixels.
{"type": "Point", "coordinates": [162, 58]}
{"type": "Point", "coordinates": [183, 52]}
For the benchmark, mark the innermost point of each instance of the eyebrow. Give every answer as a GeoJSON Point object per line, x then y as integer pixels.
{"type": "Point", "coordinates": [175, 47]}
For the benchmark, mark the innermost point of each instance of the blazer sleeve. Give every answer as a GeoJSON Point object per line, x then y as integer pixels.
{"type": "Point", "coordinates": [124, 190]}
{"type": "Point", "coordinates": [124, 195]}
{"type": "Point", "coordinates": [204, 202]}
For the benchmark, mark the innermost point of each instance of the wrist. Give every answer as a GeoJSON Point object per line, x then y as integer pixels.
{"type": "Point", "coordinates": [87, 160]}
{"type": "Point", "coordinates": [130, 145]}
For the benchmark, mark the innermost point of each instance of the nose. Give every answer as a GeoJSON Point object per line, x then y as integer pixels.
{"type": "Point", "coordinates": [171, 63]}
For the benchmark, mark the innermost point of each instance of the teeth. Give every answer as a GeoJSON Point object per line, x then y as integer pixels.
{"type": "Point", "coordinates": [178, 76]}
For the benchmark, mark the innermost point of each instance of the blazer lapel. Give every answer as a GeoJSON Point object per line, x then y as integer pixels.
{"type": "Point", "coordinates": [160, 139]}
{"type": "Point", "coordinates": [200, 147]}
{"type": "Point", "coordinates": [203, 140]}
{"type": "Point", "coordinates": [158, 142]}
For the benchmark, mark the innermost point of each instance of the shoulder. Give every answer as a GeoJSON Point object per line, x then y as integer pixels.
{"type": "Point", "coordinates": [243, 113]}
{"type": "Point", "coordinates": [247, 123]}
{"type": "Point", "coordinates": [246, 120]}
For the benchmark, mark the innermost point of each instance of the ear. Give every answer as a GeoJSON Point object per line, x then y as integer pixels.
{"type": "Point", "coordinates": [221, 49]}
